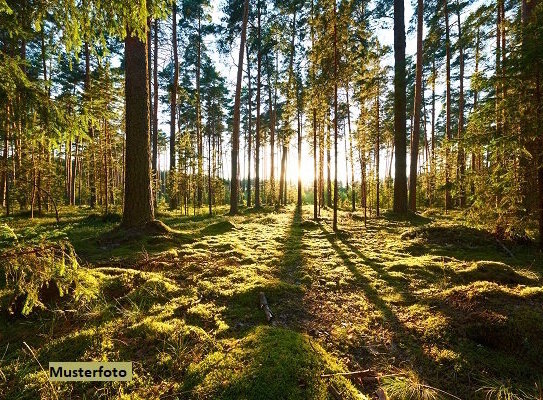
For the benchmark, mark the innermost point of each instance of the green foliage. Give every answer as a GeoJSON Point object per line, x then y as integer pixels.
{"type": "Point", "coordinates": [42, 274]}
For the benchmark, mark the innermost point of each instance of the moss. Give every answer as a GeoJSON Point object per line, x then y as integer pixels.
{"type": "Point", "coordinates": [7, 235]}
{"type": "Point", "coordinates": [269, 363]}
{"type": "Point", "coordinates": [439, 306]}
{"type": "Point", "coordinates": [218, 228]}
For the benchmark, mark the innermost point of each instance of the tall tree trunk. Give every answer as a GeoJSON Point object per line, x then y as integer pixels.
{"type": "Point", "coordinates": [400, 184]}
{"type": "Point", "coordinates": [75, 170]}
{"type": "Point", "coordinates": [415, 138]}
{"type": "Point", "coordinates": [328, 162]}
{"type": "Point", "coordinates": [150, 72]}
{"type": "Point", "coordinates": [315, 189]}
{"type": "Point", "coordinates": [138, 202]}
{"type": "Point", "coordinates": [334, 223]}
{"type": "Point", "coordinates": [282, 176]}
{"type": "Point", "coordinates": [461, 166]}
{"type": "Point", "coordinates": [299, 203]}
{"type": "Point", "coordinates": [321, 165]}
{"type": "Point", "coordinates": [5, 167]}
{"type": "Point", "coordinates": [173, 108]}
{"type": "Point", "coordinates": [199, 115]}
{"type": "Point", "coordinates": [155, 113]}
{"type": "Point", "coordinates": [234, 178]}
{"type": "Point", "coordinates": [433, 130]}
{"type": "Point", "coordinates": [448, 198]}
{"type": "Point", "coordinates": [106, 169]}
{"type": "Point", "coordinates": [475, 107]}
{"type": "Point", "coordinates": [92, 170]}
{"type": "Point", "coordinates": [249, 133]}
{"type": "Point", "coordinates": [377, 150]}
{"type": "Point", "coordinates": [209, 180]}
{"type": "Point", "coordinates": [68, 167]}
{"type": "Point", "coordinates": [257, 133]}
{"type": "Point", "coordinates": [272, 142]}
{"type": "Point", "coordinates": [351, 156]}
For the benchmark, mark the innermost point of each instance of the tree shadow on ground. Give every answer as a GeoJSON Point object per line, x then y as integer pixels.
{"type": "Point", "coordinates": [405, 345]}
{"type": "Point", "coordinates": [497, 328]}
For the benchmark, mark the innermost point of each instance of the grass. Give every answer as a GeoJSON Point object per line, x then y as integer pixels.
{"type": "Point", "coordinates": [430, 302]}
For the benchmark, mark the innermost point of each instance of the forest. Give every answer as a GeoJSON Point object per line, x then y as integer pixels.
{"type": "Point", "coordinates": [272, 199]}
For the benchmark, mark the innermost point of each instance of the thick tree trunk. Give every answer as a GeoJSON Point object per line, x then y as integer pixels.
{"type": "Point", "coordinates": [150, 72]}
{"type": "Point", "coordinates": [249, 132]}
{"type": "Point", "coordinates": [377, 151]}
{"type": "Point", "coordinates": [461, 162]}
{"type": "Point", "coordinates": [209, 180]}
{"type": "Point", "coordinates": [334, 223]}
{"type": "Point", "coordinates": [328, 166]}
{"type": "Point", "coordinates": [92, 170]}
{"type": "Point", "coordinates": [432, 156]}
{"type": "Point", "coordinates": [257, 133]}
{"type": "Point", "coordinates": [299, 203]}
{"type": "Point", "coordinates": [234, 178]}
{"type": "Point", "coordinates": [400, 184]}
{"type": "Point", "coordinates": [321, 166]}
{"type": "Point", "coordinates": [315, 189]}
{"type": "Point", "coordinates": [448, 198]}
{"type": "Point", "coordinates": [351, 156]}
{"type": "Point", "coordinates": [282, 176]}
{"type": "Point", "coordinates": [199, 134]}
{"type": "Point", "coordinates": [416, 123]}
{"type": "Point", "coordinates": [173, 109]}
{"type": "Point", "coordinates": [155, 114]}
{"type": "Point", "coordinates": [75, 170]}
{"type": "Point", "coordinates": [272, 142]}
{"type": "Point", "coordinates": [106, 169]}
{"type": "Point", "coordinates": [138, 202]}
{"type": "Point", "coordinates": [475, 105]}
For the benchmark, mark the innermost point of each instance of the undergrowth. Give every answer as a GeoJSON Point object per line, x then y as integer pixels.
{"type": "Point", "coordinates": [429, 307]}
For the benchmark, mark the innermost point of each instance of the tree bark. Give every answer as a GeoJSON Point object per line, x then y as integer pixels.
{"type": "Point", "coordinates": [328, 166]}
{"type": "Point", "coordinates": [272, 142]}
{"type": "Point", "coordinates": [334, 223]}
{"type": "Point", "coordinates": [299, 161]}
{"type": "Point", "coordinates": [400, 184]}
{"type": "Point", "coordinates": [377, 150]}
{"type": "Point", "coordinates": [138, 202]}
{"type": "Point", "coordinates": [257, 133]}
{"type": "Point", "coordinates": [234, 178]}
{"type": "Point", "coordinates": [199, 135]}
{"type": "Point", "coordinates": [461, 162]}
{"type": "Point", "coordinates": [448, 198]}
{"type": "Point", "coordinates": [173, 108]}
{"type": "Point", "coordinates": [155, 113]}
{"type": "Point", "coordinates": [92, 172]}
{"type": "Point", "coordinates": [416, 123]}
{"type": "Point", "coordinates": [315, 189]}
{"type": "Point", "coordinates": [351, 156]}
{"type": "Point", "coordinates": [249, 133]}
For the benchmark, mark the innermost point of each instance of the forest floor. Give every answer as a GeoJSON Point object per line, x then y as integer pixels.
{"type": "Point", "coordinates": [431, 307]}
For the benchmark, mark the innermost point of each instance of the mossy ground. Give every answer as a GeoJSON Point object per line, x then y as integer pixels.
{"type": "Point", "coordinates": [428, 300]}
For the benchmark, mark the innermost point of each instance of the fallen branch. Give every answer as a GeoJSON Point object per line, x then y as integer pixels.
{"type": "Point", "coordinates": [366, 372]}
{"type": "Point", "coordinates": [361, 372]}
{"type": "Point", "coordinates": [265, 307]}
